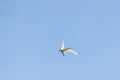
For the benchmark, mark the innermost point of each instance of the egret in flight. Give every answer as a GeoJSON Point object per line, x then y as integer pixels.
{"type": "Point", "coordinates": [64, 50]}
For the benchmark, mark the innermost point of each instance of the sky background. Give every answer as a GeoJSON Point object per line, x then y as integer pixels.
{"type": "Point", "coordinates": [31, 32]}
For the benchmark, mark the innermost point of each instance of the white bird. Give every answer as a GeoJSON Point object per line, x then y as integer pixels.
{"type": "Point", "coordinates": [66, 49]}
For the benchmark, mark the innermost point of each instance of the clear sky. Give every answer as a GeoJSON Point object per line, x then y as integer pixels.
{"type": "Point", "coordinates": [31, 32]}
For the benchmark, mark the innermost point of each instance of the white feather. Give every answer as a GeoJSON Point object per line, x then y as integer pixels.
{"type": "Point", "coordinates": [70, 50]}
{"type": "Point", "coordinates": [62, 47]}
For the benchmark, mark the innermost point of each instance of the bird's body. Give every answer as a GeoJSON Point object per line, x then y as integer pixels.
{"type": "Point", "coordinates": [63, 51]}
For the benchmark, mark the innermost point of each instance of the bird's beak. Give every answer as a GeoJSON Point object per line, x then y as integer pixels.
{"type": "Point", "coordinates": [63, 54]}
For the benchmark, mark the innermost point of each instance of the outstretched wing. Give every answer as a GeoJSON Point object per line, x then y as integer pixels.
{"type": "Point", "coordinates": [70, 50]}
{"type": "Point", "coordinates": [62, 47]}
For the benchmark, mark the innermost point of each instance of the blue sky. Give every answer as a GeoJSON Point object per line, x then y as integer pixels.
{"type": "Point", "coordinates": [31, 32]}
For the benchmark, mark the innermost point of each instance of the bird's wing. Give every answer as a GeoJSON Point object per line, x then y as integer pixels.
{"type": "Point", "coordinates": [70, 50]}
{"type": "Point", "coordinates": [62, 47]}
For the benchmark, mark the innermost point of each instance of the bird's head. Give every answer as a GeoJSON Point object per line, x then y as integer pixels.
{"type": "Point", "coordinates": [59, 50]}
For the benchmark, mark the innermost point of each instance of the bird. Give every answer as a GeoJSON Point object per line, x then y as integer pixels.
{"type": "Point", "coordinates": [65, 50]}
